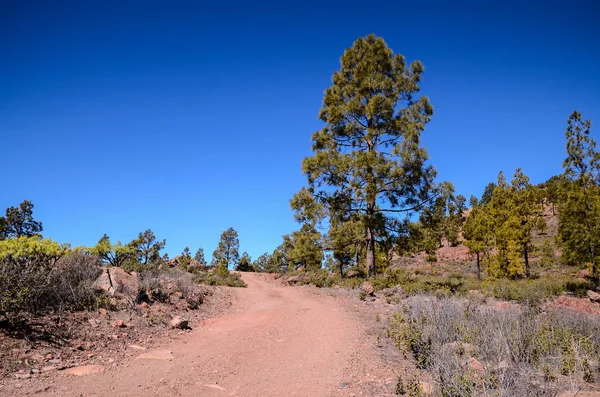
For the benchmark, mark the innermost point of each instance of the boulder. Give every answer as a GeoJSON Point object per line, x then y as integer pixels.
{"type": "Point", "coordinates": [367, 288]}
{"type": "Point", "coordinates": [179, 323]}
{"type": "Point", "coordinates": [593, 296]}
{"type": "Point", "coordinates": [119, 324]}
{"type": "Point", "coordinates": [116, 280]}
{"type": "Point", "coordinates": [352, 273]}
{"type": "Point", "coordinates": [394, 291]}
{"type": "Point", "coordinates": [295, 279]}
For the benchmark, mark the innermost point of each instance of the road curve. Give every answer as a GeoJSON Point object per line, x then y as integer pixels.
{"type": "Point", "coordinates": [280, 341]}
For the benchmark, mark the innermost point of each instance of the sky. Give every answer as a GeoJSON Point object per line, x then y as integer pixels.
{"type": "Point", "coordinates": [190, 117]}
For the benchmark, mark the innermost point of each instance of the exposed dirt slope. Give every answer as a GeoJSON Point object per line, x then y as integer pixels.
{"type": "Point", "coordinates": [280, 341]}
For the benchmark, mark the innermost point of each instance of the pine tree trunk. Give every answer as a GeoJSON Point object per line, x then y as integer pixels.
{"type": "Point", "coordinates": [595, 278]}
{"type": "Point", "coordinates": [370, 253]}
{"type": "Point", "coordinates": [526, 256]}
{"type": "Point", "coordinates": [478, 267]}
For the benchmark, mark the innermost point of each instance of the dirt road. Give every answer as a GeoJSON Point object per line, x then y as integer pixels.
{"type": "Point", "coordinates": [280, 341]}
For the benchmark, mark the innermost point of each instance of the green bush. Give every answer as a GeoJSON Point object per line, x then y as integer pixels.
{"type": "Point", "coordinates": [25, 274]}
{"type": "Point", "coordinates": [320, 278]}
{"type": "Point", "coordinates": [534, 291]}
{"type": "Point", "coordinates": [229, 280]}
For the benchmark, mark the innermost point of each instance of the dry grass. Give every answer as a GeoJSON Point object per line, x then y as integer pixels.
{"type": "Point", "coordinates": [472, 349]}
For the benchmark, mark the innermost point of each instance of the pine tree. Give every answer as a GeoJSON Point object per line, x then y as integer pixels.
{"type": "Point", "coordinates": [579, 212]}
{"type": "Point", "coordinates": [148, 248]}
{"type": "Point", "coordinates": [344, 241]}
{"type": "Point", "coordinates": [245, 263]}
{"type": "Point", "coordinates": [509, 218]}
{"type": "Point", "coordinates": [547, 253]}
{"type": "Point", "coordinates": [262, 263]}
{"type": "Point", "coordinates": [305, 248]}
{"type": "Point", "coordinates": [118, 254]}
{"type": "Point", "coordinates": [488, 192]}
{"type": "Point", "coordinates": [227, 252]}
{"type": "Point", "coordinates": [368, 159]}
{"type": "Point", "coordinates": [185, 259]}
{"type": "Point", "coordinates": [200, 257]}
{"type": "Point", "coordinates": [528, 209]}
{"type": "Point", "coordinates": [477, 233]}
{"type": "Point", "coordinates": [19, 222]}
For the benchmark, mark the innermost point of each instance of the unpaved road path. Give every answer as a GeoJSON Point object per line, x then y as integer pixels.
{"type": "Point", "coordinates": [280, 341]}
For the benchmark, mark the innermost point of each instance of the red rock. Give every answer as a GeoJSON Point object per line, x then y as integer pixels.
{"type": "Point", "coordinates": [593, 296]}
{"type": "Point", "coordinates": [180, 323]}
{"type": "Point", "coordinates": [367, 288]}
{"type": "Point", "coordinates": [119, 324]}
{"type": "Point", "coordinates": [157, 355]}
{"type": "Point", "coordinates": [84, 370]}
{"type": "Point", "coordinates": [476, 365]}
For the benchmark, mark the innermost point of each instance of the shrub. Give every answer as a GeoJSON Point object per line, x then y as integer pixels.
{"type": "Point", "coordinates": [220, 279]}
{"type": "Point", "coordinates": [159, 285]}
{"type": "Point", "coordinates": [71, 282]}
{"type": "Point", "coordinates": [533, 291]}
{"type": "Point", "coordinates": [514, 346]}
{"type": "Point", "coordinates": [320, 278]}
{"type": "Point", "coordinates": [25, 269]}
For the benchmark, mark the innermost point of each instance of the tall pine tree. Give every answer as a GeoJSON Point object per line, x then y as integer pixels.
{"type": "Point", "coordinates": [227, 251]}
{"type": "Point", "coordinates": [579, 212]}
{"type": "Point", "coordinates": [368, 159]}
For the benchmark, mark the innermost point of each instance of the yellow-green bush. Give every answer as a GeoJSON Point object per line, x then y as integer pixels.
{"type": "Point", "coordinates": [25, 273]}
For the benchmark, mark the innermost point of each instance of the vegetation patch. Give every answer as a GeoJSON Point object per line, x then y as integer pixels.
{"type": "Point", "coordinates": [473, 349]}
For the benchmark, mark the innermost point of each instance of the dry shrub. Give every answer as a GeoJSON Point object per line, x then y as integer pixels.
{"type": "Point", "coordinates": [71, 282]}
{"type": "Point", "coordinates": [517, 351]}
{"type": "Point", "coordinates": [159, 285]}
{"type": "Point", "coordinates": [23, 284]}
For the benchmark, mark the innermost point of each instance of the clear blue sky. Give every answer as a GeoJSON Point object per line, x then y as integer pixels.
{"type": "Point", "coordinates": [189, 118]}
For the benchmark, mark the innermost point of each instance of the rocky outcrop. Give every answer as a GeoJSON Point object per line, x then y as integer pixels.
{"type": "Point", "coordinates": [593, 296]}
{"type": "Point", "coordinates": [296, 279]}
{"type": "Point", "coordinates": [367, 289]}
{"type": "Point", "coordinates": [115, 280]}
